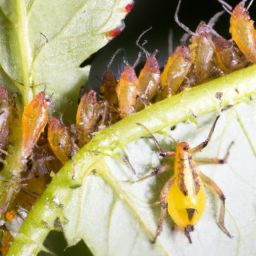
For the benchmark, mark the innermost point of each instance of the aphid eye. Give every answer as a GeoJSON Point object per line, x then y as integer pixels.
{"type": "Point", "coordinates": [185, 148]}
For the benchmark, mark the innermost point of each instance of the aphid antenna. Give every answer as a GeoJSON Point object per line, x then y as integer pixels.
{"type": "Point", "coordinates": [215, 18]}
{"type": "Point", "coordinates": [45, 37]}
{"type": "Point", "coordinates": [113, 57]}
{"type": "Point", "coordinates": [179, 23]}
{"type": "Point", "coordinates": [170, 42]}
{"type": "Point", "coordinates": [226, 6]}
{"type": "Point", "coordinates": [137, 61]}
{"type": "Point", "coordinates": [249, 5]}
{"type": "Point", "coordinates": [99, 79]}
{"type": "Point", "coordinates": [141, 46]}
{"type": "Point", "coordinates": [64, 110]}
{"type": "Point", "coordinates": [184, 38]}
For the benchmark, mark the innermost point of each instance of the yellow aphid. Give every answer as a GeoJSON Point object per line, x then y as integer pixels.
{"type": "Point", "coordinates": [183, 194]}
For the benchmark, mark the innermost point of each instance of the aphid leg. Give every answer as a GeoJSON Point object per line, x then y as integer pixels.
{"type": "Point", "coordinates": [126, 160]}
{"type": "Point", "coordinates": [179, 23]}
{"type": "Point", "coordinates": [226, 6]}
{"type": "Point", "coordinates": [214, 187]}
{"type": "Point", "coordinates": [187, 230]}
{"type": "Point", "coordinates": [4, 152]}
{"type": "Point", "coordinates": [214, 19]}
{"type": "Point", "coordinates": [205, 143]}
{"type": "Point", "coordinates": [160, 224]}
{"type": "Point", "coordinates": [143, 100]}
{"type": "Point", "coordinates": [163, 202]}
{"type": "Point", "coordinates": [200, 161]}
{"type": "Point", "coordinates": [249, 5]}
{"type": "Point", "coordinates": [161, 152]}
{"type": "Point", "coordinates": [159, 170]}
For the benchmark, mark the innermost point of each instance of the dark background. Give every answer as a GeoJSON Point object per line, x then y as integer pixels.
{"type": "Point", "coordinates": [160, 15]}
{"type": "Point", "coordinates": [146, 13]}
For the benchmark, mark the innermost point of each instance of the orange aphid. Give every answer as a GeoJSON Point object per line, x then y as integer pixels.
{"type": "Point", "coordinates": [6, 242]}
{"type": "Point", "coordinates": [34, 119]}
{"type": "Point", "coordinates": [4, 110]}
{"type": "Point", "coordinates": [127, 91]}
{"type": "Point", "coordinates": [229, 57]}
{"type": "Point", "coordinates": [87, 117]}
{"type": "Point", "coordinates": [175, 71]}
{"type": "Point", "coordinates": [149, 78]}
{"type": "Point", "coordinates": [59, 139]}
{"type": "Point", "coordinates": [108, 92]}
{"type": "Point", "coordinates": [243, 32]}
{"type": "Point", "coordinates": [202, 53]}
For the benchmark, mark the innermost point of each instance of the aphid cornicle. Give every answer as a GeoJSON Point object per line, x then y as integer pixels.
{"type": "Point", "coordinates": [34, 119]}
{"type": "Point", "coordinates": [183, 194]}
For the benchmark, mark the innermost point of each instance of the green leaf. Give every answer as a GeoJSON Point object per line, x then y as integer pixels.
{"type": "Point", "coordinates": [43, 43]}
{"type": "Point", "coordinates": [115, 216]}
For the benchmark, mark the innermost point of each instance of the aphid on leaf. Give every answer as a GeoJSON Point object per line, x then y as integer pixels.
{"type": "Point", "coordinates": [59, 138]}
{"type": "Point", "coordinates": [4, 119]}
{"type": "Point", "coordinates": [183, 194]}
{"type": "Point", "coordinates": [149, 78]}
{"type": "Point", "coordinates": [204, 64]}
{"type": "Point", "coordinates": [127, 91]}
{"type": "Point", "coordinates": [175, 71]}
{"type": "Point", "coordinates": [242, 30]}
{"type": "Point", "coordinates": [229, 57]}
{"type": "Point", "coordinates": [87, 116]}
{"type": "Point", "coordinates": [109, 94]}
{"type": "Point", "coordinates": [34, 120]}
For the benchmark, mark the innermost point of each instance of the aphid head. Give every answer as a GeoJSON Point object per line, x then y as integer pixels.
{"type": "Point", "coordinates": [129, 74]}
{"type": "Point", "coordinates": [89, 98]}
{"type": "Point", "coordinates": [151, 64]}
{"type": "Point", "coordinates": [109, 79]}
{"type": "Point", "coordinates": [183, 147]}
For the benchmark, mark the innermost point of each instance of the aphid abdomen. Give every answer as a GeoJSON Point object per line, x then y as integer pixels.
{"type": "Point", "coordinates": [149, 78]}
{"type": "Point", "coordinates": [34, 119]}
{"type": "Point", "coordinates": [59, 139]}
{"type": "Point", "coordinates": [185, 210]}
{"type": "Point", "coordinates": [175, 71]}
{"type": "Point", "coordinates": [4, 117]}
{"type": "Point", "coordinates": [186, 197]}
{"type": "Point", "coordinates": [127, 92]}
{"type": "Point", "coordinates": [202, 52]}
{"type": "Point", "coordinates": [243, 32]}
{"type": "Point", "coordinates": [87, 117]}
{"type": "Point", "coordinates": [229, 57]}
{"type": "Point", "coordinates": [108, 91]}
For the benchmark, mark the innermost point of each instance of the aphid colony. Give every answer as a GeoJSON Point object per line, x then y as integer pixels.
{"type": "Point", "coordinates": [207, 57]}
